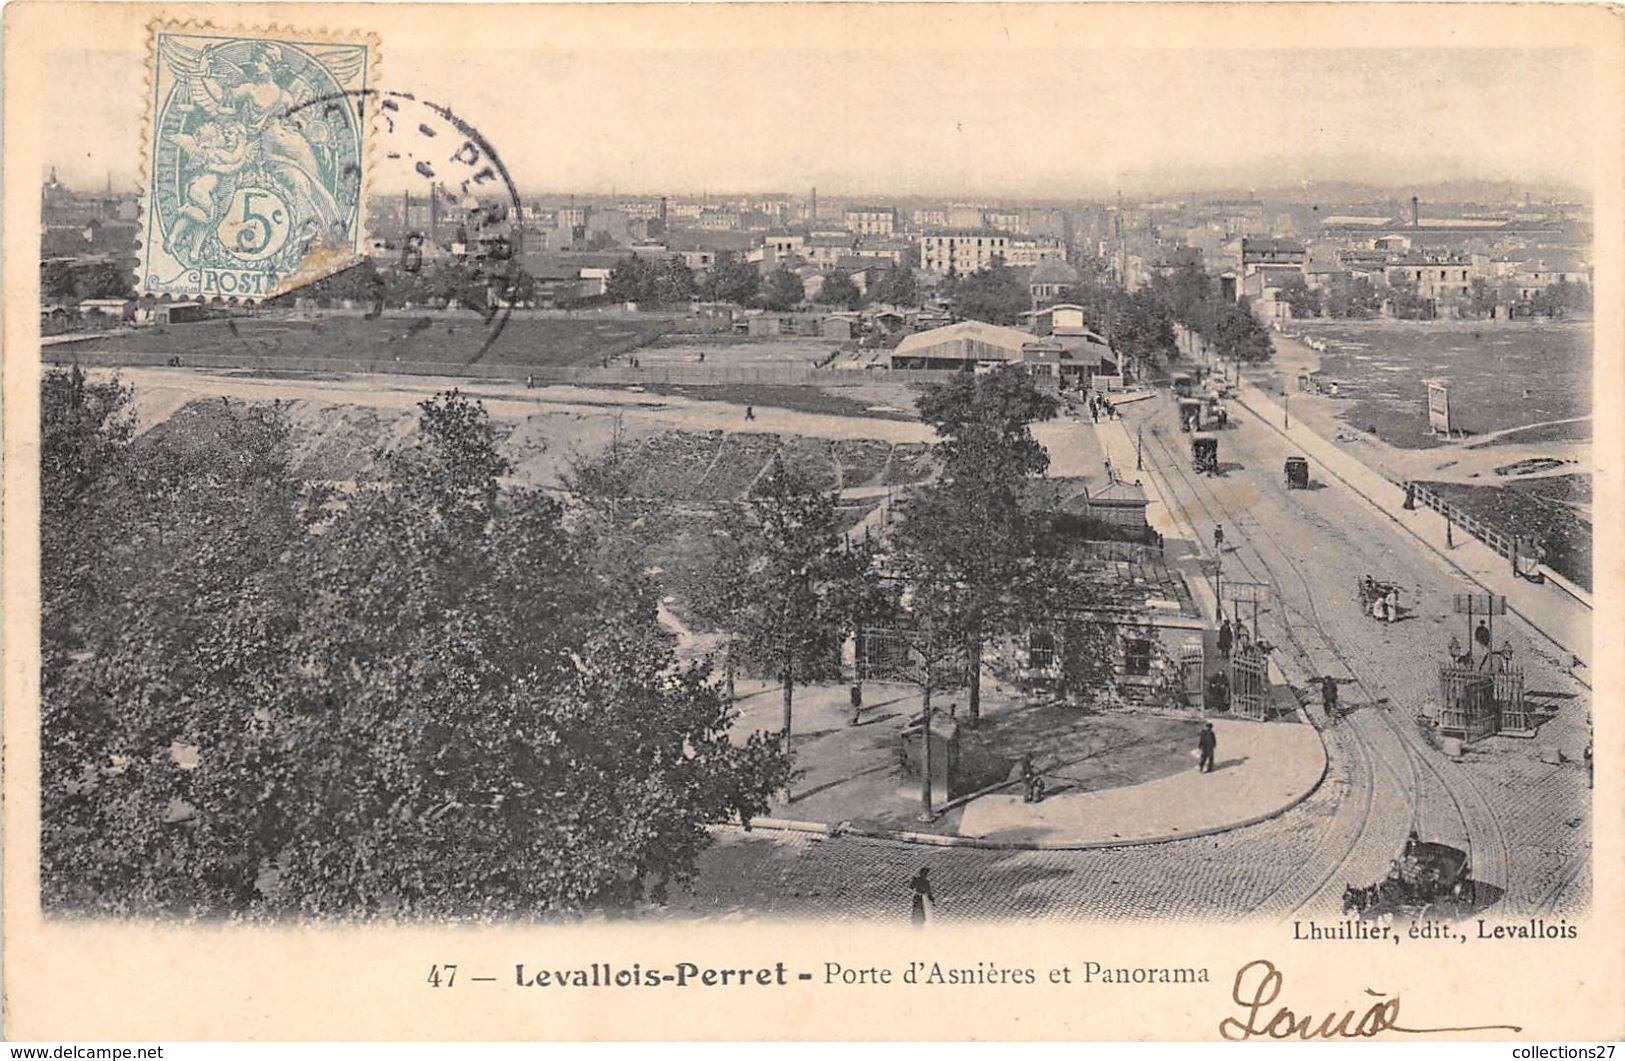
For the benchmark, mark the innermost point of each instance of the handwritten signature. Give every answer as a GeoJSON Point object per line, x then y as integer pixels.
{"type": "Point", "coordinates": [1258, 985]}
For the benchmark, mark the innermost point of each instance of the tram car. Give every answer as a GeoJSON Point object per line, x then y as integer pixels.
{"type": "Point", "coordinates": [1425, 875]}
{"type": "Point", "coordinates": [1205, 454]}
{"type": "Point", "coordinates": [1190, 414]}
{"type": "Point", "coordinates": [1296, 471]}
{"type": "Point", "coordinates": [1184, 384]}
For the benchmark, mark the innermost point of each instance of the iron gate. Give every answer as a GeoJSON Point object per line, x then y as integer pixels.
{"type": "Point", "coordinates": [1249, 683]}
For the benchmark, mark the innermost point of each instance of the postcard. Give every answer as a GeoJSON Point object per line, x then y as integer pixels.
{"type": "Point", "coordinates": [792, 521]}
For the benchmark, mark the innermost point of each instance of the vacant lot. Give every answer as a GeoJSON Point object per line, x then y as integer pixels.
{"type": "Point", "coordinates": [438, 338]}
{"type": "Point", "coordinates": [1555, 509]}
{"type": "Point", "coordinates": [1501, 375]}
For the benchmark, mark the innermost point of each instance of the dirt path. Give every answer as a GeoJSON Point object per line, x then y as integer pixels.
{"type": "Point", "coordinates": [162, 391]}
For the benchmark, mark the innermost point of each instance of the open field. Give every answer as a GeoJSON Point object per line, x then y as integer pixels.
{"type": "Point", "coordinates": [1382, 366]}
{"type": "Point", "coordinates": [432, 338]}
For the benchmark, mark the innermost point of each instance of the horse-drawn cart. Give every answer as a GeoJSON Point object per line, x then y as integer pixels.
{"type": "Point", "coordinates": [1425, 875]}
{"type": "Point", "coordinates": [1205, 454]}
{"type": "Point", "coordinates": [1378, 599]}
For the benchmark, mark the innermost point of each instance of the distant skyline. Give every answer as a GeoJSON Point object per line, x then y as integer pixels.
{"type": "Point", "coordinates": [1062, 123]}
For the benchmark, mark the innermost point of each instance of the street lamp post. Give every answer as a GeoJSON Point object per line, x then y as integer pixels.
{"type": "Point", "coordinates": [1139, 448]}
{"type": "Point", "coordinates": [1286, 408]}
{"type": "Point", "coordinates": [926, 813]}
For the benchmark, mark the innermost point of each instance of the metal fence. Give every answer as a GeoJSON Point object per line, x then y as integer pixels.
{"type": "Point", "coordinates": [1503, 543]}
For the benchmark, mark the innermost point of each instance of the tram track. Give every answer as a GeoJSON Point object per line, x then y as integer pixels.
{"type": "Point", "coordinates": [1365, 751]}
{"type": "Point", "coordinates": [1363, 755]}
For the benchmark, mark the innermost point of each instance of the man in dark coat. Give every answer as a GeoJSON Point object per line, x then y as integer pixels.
{"type": "Point", "coordinates": [1227, 637]}
{"type": "Point", "coordinates": [1207, 744]}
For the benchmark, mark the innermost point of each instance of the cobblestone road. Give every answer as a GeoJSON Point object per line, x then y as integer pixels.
{"type": "Point", "coordinates": [1528, 821]}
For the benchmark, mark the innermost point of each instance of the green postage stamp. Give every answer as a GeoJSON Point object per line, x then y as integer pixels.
{"type": "Point", "coordinates": [256, 168]}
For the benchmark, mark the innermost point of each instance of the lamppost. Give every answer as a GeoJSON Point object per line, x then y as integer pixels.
{"type": "Point", "coordinates": [1286, 407]}
{"type": "Point", "coordinates": [1139, 448]}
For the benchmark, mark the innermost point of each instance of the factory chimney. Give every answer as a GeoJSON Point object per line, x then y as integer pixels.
{"type": "Point", "coordinates": [1416, 213]}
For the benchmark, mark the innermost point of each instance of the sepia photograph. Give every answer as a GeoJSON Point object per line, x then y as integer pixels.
{"type": "Point", "coordinates": [811, 467]}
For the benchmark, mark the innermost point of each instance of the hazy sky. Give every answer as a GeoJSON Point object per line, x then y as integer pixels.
{"type": "Point", "coordinates": [999, 119]}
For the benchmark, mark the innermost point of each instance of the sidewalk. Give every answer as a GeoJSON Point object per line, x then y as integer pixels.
{"type": "Point", "coordinates": [1263, 769]}
{"type": "Point", "coordinates": [1558, 616]}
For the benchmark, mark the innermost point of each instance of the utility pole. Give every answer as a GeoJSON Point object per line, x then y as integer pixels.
{"type": "Point", "coordinates": [1139, 448]}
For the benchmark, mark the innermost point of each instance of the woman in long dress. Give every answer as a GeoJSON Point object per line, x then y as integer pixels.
{"type": "Point", "coordinates": [924, 911]}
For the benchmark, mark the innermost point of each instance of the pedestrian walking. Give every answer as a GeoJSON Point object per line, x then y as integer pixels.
{"type": "Point", "coordinates": [1328, 695]}
{"type": "Point", "coordinates": [1218, 538]}
{"type": "Point", "coordinates": [1227, 637]}
{"type": "Point", "coordinates": [1410, 496]}
{"type": "Point", "coordinates": [1207, 743]}
{"type": "Point", "coordinates": [857, 702]}
{"type": "Point", "coordinates": [1482, 635]}
{"type": "Point", "coordinates": [924, 906]}
{"type": "Point", "coordinates": [750, 412]}
{"type": "Point", "coordinates": [1094, 413]}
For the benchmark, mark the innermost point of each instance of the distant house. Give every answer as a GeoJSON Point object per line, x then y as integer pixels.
{"type": "Point", "coordinates": [1050, 279]}
{"type": "Point", "coordinates": [766, 325]}
{"type": "Point", "coordinates": [871, 220]}
{"type": "Point", "coordinates": [112, 310]}
{"type": "Point", "coordinates": [842, 326]}
{"type": "Point", "coordinates": [180, 312]}
{"type": "Point", "coordinates": [53, 319]}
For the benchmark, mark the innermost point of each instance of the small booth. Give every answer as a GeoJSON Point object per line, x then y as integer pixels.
{"type": "Point", "coordinates": [944, 752]}
{"type": "Point", "coordinates": [1467, 707]}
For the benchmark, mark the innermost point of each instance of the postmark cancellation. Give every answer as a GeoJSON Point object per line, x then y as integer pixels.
{"type": "Point", "coordinates": [255, 160]}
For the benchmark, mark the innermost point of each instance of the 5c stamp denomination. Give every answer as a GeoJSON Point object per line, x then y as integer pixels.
{"type": "Point", "coordinates": [246, 184]}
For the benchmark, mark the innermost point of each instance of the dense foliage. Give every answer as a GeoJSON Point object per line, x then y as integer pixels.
{"type": "Point", "coordinates": [1231, 328]}
{"type": "Point", "coordinates": [969, 544]}
{"type": "Point", "coordinates": [426, 698]}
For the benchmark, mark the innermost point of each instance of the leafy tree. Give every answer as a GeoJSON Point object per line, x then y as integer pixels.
{"type": "Point", "coordinates": [105, 280]}
{"type": "Point", "coordinates": [57, 281]}
{"type": "Point", "coordinates": [993, 294]}
{"type": "Point", "coordinates": [782, 291]}
{"type": "Point", "coordinates": [631, 280]}
{"type": "Point", "coordinates": [969, 537]}
{"type": "Point", "coordinates": [1299, 297]}
{"type": "Point", "coordinates": [898, 287]}
{"type": "Point", "coordinates": [427, 699]}
{"type": "Point", "coordinates": [163, 615]}
{"type": "Point", "coordinates": [1240, 336]}
{"type": "Point", "coordinates": [731, 279]}
{"type": "Point", "coordinates": [1560, 298]}
{"type": "Point", "coordinates": [798, 576]}
{"type": "Point", "coordinates": [839, 290]}
{"type": "Point", "coordinates": [674, 282]}
{"type": "Point", "coordinates": [1353, 297]}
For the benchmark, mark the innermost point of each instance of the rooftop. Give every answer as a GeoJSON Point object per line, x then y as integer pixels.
{"type": "Point", "coordinates": [1010, 339]}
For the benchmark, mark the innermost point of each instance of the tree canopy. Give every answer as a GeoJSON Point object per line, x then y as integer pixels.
{"type": "Point", "coordinates": [968, 544]}
{"type": "Point", "coordinates": [421, 698]}
{"type": "Point", "coordinates": [993, 294]}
